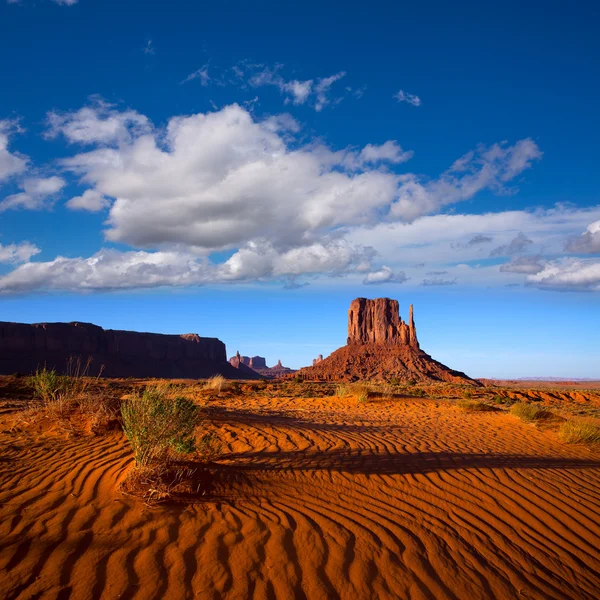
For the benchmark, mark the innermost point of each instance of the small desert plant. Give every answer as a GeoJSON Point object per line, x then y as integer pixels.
{"type": "Point", "coordinates": [580, 431]}
{"type": "Point", "coordinates": [156, 426]}
{"type": "Point", "coordinates": [418, 393]}
{"type": "Point", "coordinates": [342, 391]}
{"type": "Point", "coordinates": [498, 399]}
{"type": "Point", "coordinates": [361, 391]}
{"type": "Point", "coordinates": [48, 386]}
{"type": "Point", "coordinates": [217, 383]}
{"type": "Point", "coordinates": [411, 382]}
{"type": "Point", "coordinates": [528, 412]}
{"type": "Point", "coordinates": [474, 406]}
{"type": "Point", "coordinates": [467, 394]}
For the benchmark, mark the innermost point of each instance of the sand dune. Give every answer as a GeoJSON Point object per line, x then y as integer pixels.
{"type": "Point", "coordinates": [313, 498]}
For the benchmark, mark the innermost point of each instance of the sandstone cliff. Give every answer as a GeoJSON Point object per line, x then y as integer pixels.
{"type": "Point", "coordinates": [381, 346]}
{"type": "Point", "coordinates": [259, 365]}
{"type": "Point", "coordinates": [25, 348]}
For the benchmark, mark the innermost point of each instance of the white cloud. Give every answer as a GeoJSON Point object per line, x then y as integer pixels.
{"type": "Point", "coordinates": [568, 275]}
{"type": "Point", "coordinates": [588, 242]}
{"type": "Point", "coordinates": [90, 200]}
{"type": "Point", "coordinates": [149, 48]}
{"type": "Point", "coordinates": [384, 275]}
{"type": "Point", "coordinates": [11, 163]}
{"type": "Point", "coordinates": [38, 193]}
{"type": "Point", "coordinates": [402, 96]}
{"type": "Point", "coordinates": [17, 253]}
{"type": "Point", "coordinates": [114, 270]}
{"type": "Point", "coordinates": [390, 151]}
{"type": "Point", "coordinates": [316, 91]}
{"type": "Point", "coordinates": [99, 123]}
{"type": "Point", "coordinates": [65, 2]}
{"type": "Point", "coordinates": [201, 74]}
{"type": "Point", "coordinates": [487, 168]}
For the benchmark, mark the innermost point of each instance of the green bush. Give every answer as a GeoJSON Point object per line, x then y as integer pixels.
{"type": "Point", "coordinates": [579, 431]}
{"type": "Point", "coordinates": [528, 412]}
{"type": "Point", "coordinates": [156, 425]}
{"type": "Point", "coordinates": [467, 394]}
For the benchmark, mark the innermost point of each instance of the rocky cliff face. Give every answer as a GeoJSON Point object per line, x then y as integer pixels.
{"type": "Point", "coordinates": [381, 346]}
{"type": "Point", "coordinates": [378, 322]}
{"type": "Point", "coordinates": [25, 348]}
{"type": "Point", "coordinates": [259, 365]}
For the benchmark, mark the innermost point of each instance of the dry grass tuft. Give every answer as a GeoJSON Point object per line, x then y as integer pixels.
{"type": "Point", "coordinates": [217, 383]}
{"type": "Point", "coordinates": [529, 412]}
{"type": "Point", "coordinates": [580, 431]}
{"type": "Point", "coordinates": [474, 406]}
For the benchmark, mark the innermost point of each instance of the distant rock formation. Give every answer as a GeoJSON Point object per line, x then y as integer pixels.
{"type": "Point", "coordinates": [317, 360]}
{"type": "Point", "coordinates": [381, 346]}
{"type": "Point", "coordinates": [259, 365]}
{"type": "Point", "coordinates": [25, 348]}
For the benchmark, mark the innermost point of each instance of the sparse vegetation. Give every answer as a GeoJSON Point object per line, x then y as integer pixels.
{"type": "Point", "coordinates": [580, 431]}
{"type": "Point", "coordinates": [342, 391]}
{"type": "Point", "coordinates": [217, 383]}
{"type": "Point", "coordinates": [474, 406]}
{"type": "Point", "coordinates": [527, 411]}
{"type": "Point", "coordinates": [157, 426]}
{"type": "Point", "coordinates": [467, 394]}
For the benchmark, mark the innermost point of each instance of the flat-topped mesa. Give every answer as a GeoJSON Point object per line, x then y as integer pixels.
{"type": "Point", "coordinates": [378, 322]}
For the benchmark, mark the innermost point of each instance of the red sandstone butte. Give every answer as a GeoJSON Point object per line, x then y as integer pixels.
{"type": "Point", "coordinates": [25, 348]}
{"type": "Point", "coordinates": [381, 346]}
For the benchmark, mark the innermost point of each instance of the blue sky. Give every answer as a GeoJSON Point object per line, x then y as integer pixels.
{"type": "Point", "coordinates": [243, 170]}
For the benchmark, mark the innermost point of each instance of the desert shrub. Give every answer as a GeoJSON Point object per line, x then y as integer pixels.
{"type": "Point", "coordinates": [467, 394]}
{"type": "Point", "coordinates": [474, 406]}
{"type": "Point", "coordinates": [418, 393]}
{"type": "Point", "coordinates": [411, 382]}
{"type": "Point", "coordinates": [497, 399]}
{"type": "Point", "coordinates": [580, 431]}
{"type": "Point", "coordinates": [156, 426]}
{"type": "Point", "coordinates": [361, 391]}
{"type": "Point", "coordinates": [216, 383]}
{"type": "Point", "coordinates": [528, 412]}
{"type": "Point", "coordinates": [48, 386]}
{"type": "Point", "coordinates": [342, 391]}
{"type": "Point", "coordinates": [298, 378]}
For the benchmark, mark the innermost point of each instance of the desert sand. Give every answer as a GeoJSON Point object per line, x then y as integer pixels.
{"type": "Point", "coordinates": [311, 497]}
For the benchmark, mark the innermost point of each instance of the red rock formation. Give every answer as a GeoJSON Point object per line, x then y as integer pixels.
{"type": "Point", "coordinates": [381, 346]}
{"type": "Point", "coordinates": [258, 364]}
{"type": "Point", "coordinates": [25, 348]}
{"type": "Point", "coordinates": [317, 360]}
{"type": "Point", "coordinates": [378, 322]}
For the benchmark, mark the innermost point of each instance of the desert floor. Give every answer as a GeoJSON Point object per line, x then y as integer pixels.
{"type": "Point", "coordinates": [311, 497]}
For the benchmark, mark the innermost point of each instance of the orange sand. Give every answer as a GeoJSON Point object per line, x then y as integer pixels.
{"type": "Point", "coordinates": [313, 498]}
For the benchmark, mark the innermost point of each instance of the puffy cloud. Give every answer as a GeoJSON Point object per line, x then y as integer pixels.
{"type": "Point", "coordinates": [90, 200]}
{"type": "Point", "coordinates": [17, 253]}
{"type": "Point", "coordinates": [114, 270]}
{"type": "Point", "coordinates": [390, 151]}
{"type": "Point", "coordinates": [38, 193]}
{"type": "Point", "coordinates": [516, 245]}
{"type": "Point", "coordinates": [588, 242]}
{"type": "Point", "coordinates": [486, 168]}
{"type": "Point", "coordinates": [11, 163]}
{"type": "Point", "coordinates": [402, 96]}
{"type": "Point", "coordinates": [99, 123]}
{"type": "Point", "coordinates": [384, 275]}
{"type": "Point", "coordinates": [525, 265]}
{"type": "Point", "coordinates": [568, 275]}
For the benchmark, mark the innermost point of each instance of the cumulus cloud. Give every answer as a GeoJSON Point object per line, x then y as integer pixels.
{"type": "Point", "coordinates": [588, 242]}
{"type": "Point", "coordinates": [390, 151]}
{"type": "Point", "coordinates": [17, 253]}
{"type": "Point", "coordinates": [568, 275]}
{"type": "Point", "coordinates": [516, 245]}
{"type": "Point", "coordinates": [38, 193]}
{"type": "Point", "coordinates": [384, 275]}
{"type": "Point", "coordinates": [525, 265]}
{"type": "Point", "coordinates": [11, 163]}
{"type": "Point", "coordinates": [90, 200]}
{"type": "Point", "coordinates": [489, 167]}
{"type": "Point", "coordinates": [115, 270]}
{"type": "Point", "coordinates": [99, 123]}
{"type": "Point", "coordinates": [403, 96]}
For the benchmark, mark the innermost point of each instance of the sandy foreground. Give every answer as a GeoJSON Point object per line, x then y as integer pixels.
{"type": "Point", "coordinates": [313, 498]}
